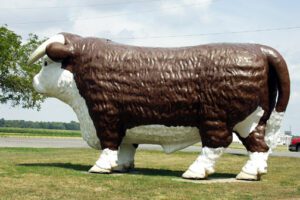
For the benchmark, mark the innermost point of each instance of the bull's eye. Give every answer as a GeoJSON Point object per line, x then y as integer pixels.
{"type": "Point", "coordinates": [45, 63]}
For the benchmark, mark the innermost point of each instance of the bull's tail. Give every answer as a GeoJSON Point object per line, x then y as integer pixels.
{"type": "Point", "coordinates": [279, 83]}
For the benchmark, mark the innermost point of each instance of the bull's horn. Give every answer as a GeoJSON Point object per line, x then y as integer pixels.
{"type": "Point", "coordinates": [41, 50]}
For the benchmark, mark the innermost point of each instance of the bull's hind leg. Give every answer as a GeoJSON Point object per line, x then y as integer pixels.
{"type": "Point", "coordinates": [215, 138]}
{"type": "Point", "coordinates": [253, 137]}
{"type": "Point", "coordinates": [258, 142]}
{"type": "Point", "coordinates": [258, 153]}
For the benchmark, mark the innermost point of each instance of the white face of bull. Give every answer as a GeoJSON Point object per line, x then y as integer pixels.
{"type": "Point", "coordinates": [54, 81]}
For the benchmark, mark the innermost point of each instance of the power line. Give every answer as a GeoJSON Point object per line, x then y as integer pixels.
{"type": "Point", "coordinates": [207, 34]}
{"type": "Point", "coordinates": [158, 36]}
{"type": "Point", "coordinates": [80, 6]}
{"type": "Point", "coordinates": [108, 16]}
{"type": "Point", "coordinates": [213, 33]}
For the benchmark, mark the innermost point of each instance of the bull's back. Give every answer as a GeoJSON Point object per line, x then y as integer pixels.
{"type": "Point", "coordinates": [182, 85]}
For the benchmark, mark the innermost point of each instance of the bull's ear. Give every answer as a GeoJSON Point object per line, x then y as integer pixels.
{"type": "Point", "coordinates": [58, 52]}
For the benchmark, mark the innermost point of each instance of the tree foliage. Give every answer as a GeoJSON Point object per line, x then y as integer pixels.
{"type": "Point", "coordinates": [15, 75]}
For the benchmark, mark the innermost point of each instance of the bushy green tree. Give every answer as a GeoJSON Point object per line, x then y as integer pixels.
{"type": "Point", "coordinates": [15, 75]}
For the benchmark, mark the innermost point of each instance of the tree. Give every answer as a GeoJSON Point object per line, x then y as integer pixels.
{"type": "Point", "coordinates": [15, 75]}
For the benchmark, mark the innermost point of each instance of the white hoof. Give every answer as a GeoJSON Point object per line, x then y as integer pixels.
{"type": "Point", "coordinates": [189, 174]}
{"type": "Point", "coordinates": [204, 164]}
{"type": "Point", "coordinates": [210, 171]}
{"type": "Point", "coordinates": [99, 170]}
{"type": "Point", "coordinates": [248, 177]}
{"type": "Point", "coordinates": [105, 163]}
{"type": "Point", "coordinates": [255, 167]}
{"type": "Point", "coordinates": [125, 160]}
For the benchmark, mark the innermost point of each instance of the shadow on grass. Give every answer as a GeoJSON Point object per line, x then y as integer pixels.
{"type": "Point", "coordinates": [155, 172]}
{"type": "Point", "coordinates": [222, 175]}
{"type": "Point", "coordinates": [173, 173]}
{"type": "Point", "coordinates": [76, 167]}
{"type": "Point", "coordinates": [135, 171]}
{"type": "Point", "coordinates": [239, 154]}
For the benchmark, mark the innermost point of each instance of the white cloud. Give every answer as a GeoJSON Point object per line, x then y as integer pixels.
{"type": "Point", "coordinates": [172, 8]}
{"type": "Point", "coordinates": [97, 25]}
{"type": "Point", "coordinates": [120, 27]}
{"type": "Point", "coordinates": [28, 4]}
{"type": "Point", "coordinates": [294, 70]}
{"type": "Point", "coordinates": [295, 96]}
{"type": "Point", "coordinates": [48, 32]}
{"type": "Point", "coordinates": [202, 4]}
{"type": "Point", "coordinates": [186, 8]}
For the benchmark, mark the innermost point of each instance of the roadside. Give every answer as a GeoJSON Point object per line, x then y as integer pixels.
{"type": "Point", "coordinates": [71, 142]}
{"type": "Point", "coordinates": [75, 134]}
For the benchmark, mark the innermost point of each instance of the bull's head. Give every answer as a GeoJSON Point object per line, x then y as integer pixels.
{"type": "Point", "coordinates": [56, 80]}
{"type": "Point", "coordinates": [53, 80]}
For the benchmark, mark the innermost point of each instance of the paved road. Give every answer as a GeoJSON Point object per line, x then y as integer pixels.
{"type": "Point", "coordinates": [42, 142]}
{"type": "Point", "coordinates": [79, 143]}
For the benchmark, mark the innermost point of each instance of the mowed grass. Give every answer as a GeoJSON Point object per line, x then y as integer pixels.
{"type": "Point", "coordinates": [25, 132]}
{"type": "Point", "coordinates": [28, 173]}
{"type": "Point", "coordinates": [279, 148]}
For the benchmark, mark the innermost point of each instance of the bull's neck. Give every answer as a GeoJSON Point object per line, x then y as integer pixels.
{"type": "Point", "coordinates": [79, 106]}
{"type": "Point", "coordinates": [88, 131]}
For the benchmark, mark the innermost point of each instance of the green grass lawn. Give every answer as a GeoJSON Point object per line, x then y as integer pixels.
{"type": "Point", "coordinates": [28, 173]}
{"type": "Point", "coordinates": [279, 148]}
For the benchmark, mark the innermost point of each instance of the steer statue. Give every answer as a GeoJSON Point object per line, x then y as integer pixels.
{"type": "Point", "coordinates": [217, 88]}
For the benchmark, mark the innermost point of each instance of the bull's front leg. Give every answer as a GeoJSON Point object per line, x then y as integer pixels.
{"type": "Point", "coordinates": [125, 160]}
{"type": "Point", "coordinates": [114, 156]}
{"type": "Point", "coordinates": [120, 160]}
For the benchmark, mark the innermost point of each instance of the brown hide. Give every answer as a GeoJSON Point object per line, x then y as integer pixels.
{"type": "Point", "coordinates": [212, 87]}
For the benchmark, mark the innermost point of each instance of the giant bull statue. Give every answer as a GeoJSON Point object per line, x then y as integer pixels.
{"type": "Point", "coordinates": [217, 88]}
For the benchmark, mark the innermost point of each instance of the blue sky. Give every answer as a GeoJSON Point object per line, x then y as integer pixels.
{"type": "Point", "coordinates": [160, 23]}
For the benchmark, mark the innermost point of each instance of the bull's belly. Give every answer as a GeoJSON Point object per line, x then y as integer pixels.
{"type": "Point", "coordinates": [176, 138]}
{"type": "Point", "coordinates": [170, 138]}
